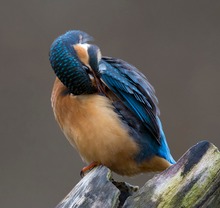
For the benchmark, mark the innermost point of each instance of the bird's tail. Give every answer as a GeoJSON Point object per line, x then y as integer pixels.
{"type": "Point", "coordinates": [164, 151]}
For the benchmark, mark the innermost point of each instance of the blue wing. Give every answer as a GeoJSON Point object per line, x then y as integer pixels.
{"type": "Point", "coordinates": [133, 89]}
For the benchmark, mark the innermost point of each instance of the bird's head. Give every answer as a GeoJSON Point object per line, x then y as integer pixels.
{"type": "Point", "coordinates": [75, 62]}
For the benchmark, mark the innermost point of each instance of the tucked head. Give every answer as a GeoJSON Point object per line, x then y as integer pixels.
{"type": "Point", "coordinates": [89, 55]}
{"type": "Point", "coordinates": [75, 62]}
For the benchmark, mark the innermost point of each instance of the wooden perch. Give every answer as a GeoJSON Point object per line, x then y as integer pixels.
{"type": "Point", "coordinates": [194, 181]}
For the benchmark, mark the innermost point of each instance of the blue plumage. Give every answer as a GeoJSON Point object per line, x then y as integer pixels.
{"type": "Point", "coordinates": [136, 93]}
{"type": "Point", "coordinates": [66, 64]}
{"type": "Point", "coordinates": [127, 88]}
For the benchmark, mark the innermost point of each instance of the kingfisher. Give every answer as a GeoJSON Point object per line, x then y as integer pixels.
{"type": "Point", "coordinates": [106, 108]}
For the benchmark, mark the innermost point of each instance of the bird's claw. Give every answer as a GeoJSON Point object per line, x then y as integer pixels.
{"type": "Point", "coordinates": [88, 168]}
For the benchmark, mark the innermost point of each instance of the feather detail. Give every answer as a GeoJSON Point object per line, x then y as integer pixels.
{"type": "Point", "coordinates": [132, 88]}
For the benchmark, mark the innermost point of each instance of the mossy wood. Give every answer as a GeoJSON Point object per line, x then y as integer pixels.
{"type": "Point", "coordinates": [194, 181]}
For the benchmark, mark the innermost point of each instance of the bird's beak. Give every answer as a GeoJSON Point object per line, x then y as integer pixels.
{"type": "Point", "coordinates": [98, 83]}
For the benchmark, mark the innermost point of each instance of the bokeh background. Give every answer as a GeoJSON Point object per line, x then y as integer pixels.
{"type": "Point", "coordinates": [175, 43]}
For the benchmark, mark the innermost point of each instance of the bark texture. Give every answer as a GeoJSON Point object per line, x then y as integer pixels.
{"type": "Point", "coordinates": [194, 181]}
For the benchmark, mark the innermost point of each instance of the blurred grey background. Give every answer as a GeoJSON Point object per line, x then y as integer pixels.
{"type": "Point", "coordinates": [175, 43]}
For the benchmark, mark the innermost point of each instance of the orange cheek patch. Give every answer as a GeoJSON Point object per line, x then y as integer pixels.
{"type": "Point", "coordinates": [82, 54]}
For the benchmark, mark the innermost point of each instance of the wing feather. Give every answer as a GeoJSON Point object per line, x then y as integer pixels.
{"type": "Point", "coordinates": [133, 89]}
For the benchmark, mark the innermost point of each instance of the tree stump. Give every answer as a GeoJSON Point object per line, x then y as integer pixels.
{"type": "Point", "coordinates": [194, 181]}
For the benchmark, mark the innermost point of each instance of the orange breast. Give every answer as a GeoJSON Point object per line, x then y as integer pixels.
{"type": "Point", "coordinates": [94, 129]}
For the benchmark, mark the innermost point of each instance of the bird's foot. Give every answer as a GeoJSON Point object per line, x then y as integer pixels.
{"type": "Point", "coordinates": [88, 168]}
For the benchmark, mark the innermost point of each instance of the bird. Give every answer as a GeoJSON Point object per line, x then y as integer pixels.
{"type": "Point", "coordinates": [106, 108]}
